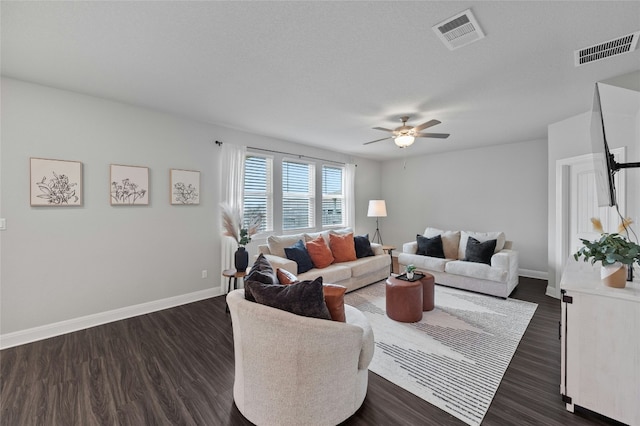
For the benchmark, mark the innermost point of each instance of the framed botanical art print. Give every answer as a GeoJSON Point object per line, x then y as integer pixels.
{"type": "Point", "coordinates": [55, 183]}
{"type": "Point", "coordinates": [184, 187]}
{"type": "Point", "coordinates": [129, 185]}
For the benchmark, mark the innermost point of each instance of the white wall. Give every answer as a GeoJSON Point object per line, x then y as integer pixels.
{"type": "Point", "coordinates": [498, 188]}
{"type": "Point", "coordinates": [61, 264]}
{"type": "Point", "coordinates": [571, 138]}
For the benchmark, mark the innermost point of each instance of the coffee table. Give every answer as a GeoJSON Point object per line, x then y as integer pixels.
{"type": "Point", "coordinates": [407, 299]}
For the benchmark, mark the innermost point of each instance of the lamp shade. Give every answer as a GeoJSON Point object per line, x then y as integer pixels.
{"type": "Point", "coordinates": [404, 141]}
{"type": "Point", "coordinates": [377, 208]}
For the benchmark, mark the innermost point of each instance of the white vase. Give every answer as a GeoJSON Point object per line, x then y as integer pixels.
{"type": "Point", "coordinates": [614, 275]}
{"type": "Point", "coordinates": [410, 275]}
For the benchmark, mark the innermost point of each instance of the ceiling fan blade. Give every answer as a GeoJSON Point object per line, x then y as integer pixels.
{"type": "Point", "coordinates": [377, 140]}
{"type": "Point", "coordinates": [426, 125]}
{"type": "Point", "coordinates": [383, 129]}
{"type": "Point", "coordinates": [433, 135]}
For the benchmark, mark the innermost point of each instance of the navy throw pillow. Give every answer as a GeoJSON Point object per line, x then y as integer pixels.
{"type": "Point", "coordinates": [431, 247]}
{"type": "Point", "coordinates": [363, 246]}
{"type": "Point", "coordinates": [479, 252]}
{"type": "Point", "coordinates": [304, 298]}
{"type": "Point", "coordinates": [299, 254]}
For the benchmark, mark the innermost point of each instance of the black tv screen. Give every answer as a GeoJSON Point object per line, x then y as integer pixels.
{"type": "Point", "coordinates": [603, 163]}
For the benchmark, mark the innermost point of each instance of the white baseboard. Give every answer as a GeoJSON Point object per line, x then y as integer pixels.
{"type": "Point", "coordinates": [552, 292]}
{"type": "Point", "coordinates": [530, 273]}
{"type": "Point", "coordinates": [67, 326]}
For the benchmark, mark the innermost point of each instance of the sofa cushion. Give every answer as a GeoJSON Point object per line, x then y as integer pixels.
{"type": "Point", "coordinates": [319, 252]}
{"type": "Point", "coordinates": [332, 274]}
{"type": "Point", "coordinates": [479, 252]}
{"type": "Point", "coordinates": [363, 246]}
{"type": "Point", "coordinates": [334, 298]}
{"type": "Point", "coordinates": [365, 265]}
{"type": "Point", "coordinates": [304, 298]}
{"type": "Point", "coordinates": [313, 235]}
{"type": "Point", "coordinates": [299, 254]}
{"type": "Point", "coordinates": [325, 234]}
{"type": "Point", "coordinates": [450, 241]}
{"type": "Point", "coordinates": [286, 277]}
{"type": "Point", "coordinates": [342, 246]}
{"type": "Point", "coordinates": [480, 236]}
{"type": "Point", "coordinates": [476, 270]}
{"type": "Point", "coordinates": [423, 262]}
{"type": "Point", "coordinates": [277, 244]}
{"type": "Point", "coordinates": [430, 246]}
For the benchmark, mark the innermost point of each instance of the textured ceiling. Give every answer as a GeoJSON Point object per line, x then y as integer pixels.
{"type": "Point", "coordinates": [325, 73]}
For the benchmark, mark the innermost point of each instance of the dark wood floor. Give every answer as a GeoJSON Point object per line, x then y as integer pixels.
{"type": "Point", "coordinates": [175, 367]}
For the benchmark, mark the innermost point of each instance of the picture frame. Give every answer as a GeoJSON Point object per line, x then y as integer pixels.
{"type": "Point", "coordinates": [128, 185]}
{"type": "Point", "coordinates": [184, 187]}
{"type": "Point", "coordinates": [55, 183]}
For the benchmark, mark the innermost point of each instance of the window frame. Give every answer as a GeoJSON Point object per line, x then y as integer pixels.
{"type": "Point", "coordinates": [329, 196]}
{"type": "Point", "coordinates": [268, 220]}
{"type": "Point", "coordinates": [309, 196]}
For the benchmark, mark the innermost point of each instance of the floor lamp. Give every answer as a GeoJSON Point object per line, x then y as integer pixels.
{"type": "Point", "coordinates": [377, 209]}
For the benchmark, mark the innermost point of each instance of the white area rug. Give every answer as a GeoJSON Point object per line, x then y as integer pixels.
{"type": "Point", "coordinates": [456, 356]}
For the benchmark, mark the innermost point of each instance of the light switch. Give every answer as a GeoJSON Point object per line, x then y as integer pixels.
{"type": "Point", "coordinates": [3, 224]}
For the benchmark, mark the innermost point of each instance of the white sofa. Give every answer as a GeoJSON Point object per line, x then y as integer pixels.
{"type": "Point", "coordinates": [353, 274]}
{"type": "Point", "coordinates": [296, 370]}
{"type": "Point", "coordinates": [499, 278]}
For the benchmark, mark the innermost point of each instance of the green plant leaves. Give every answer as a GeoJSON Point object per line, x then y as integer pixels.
{"type": "Point", "coordinates": [609, 249]}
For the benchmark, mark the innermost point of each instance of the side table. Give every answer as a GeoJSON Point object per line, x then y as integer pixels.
{"type": "Point", "coordinates": [232, 274]}
{"type": "Point", "coordinates": [389, 249]}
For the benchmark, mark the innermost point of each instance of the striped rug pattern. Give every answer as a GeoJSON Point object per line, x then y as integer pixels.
{"type": "Point", "coordinates": [456, 356]}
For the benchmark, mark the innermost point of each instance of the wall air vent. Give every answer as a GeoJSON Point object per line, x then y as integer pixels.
{"type": "Point", "coordinates": [459, 30]}
{"type": "Point", "coordinates": [607, 49]}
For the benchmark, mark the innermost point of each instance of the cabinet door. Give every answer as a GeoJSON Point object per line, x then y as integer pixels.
{"type": "Point", "coordinates": [603, 355]}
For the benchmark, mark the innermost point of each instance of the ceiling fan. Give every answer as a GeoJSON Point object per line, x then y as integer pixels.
{"type": "Point", "coordinates": [405, 135]}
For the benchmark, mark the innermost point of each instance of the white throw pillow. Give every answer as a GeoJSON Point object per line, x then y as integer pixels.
{"type": "Point", "coordinates": [325, 234]}
{"type": "Point", "coordinates": [482, 237]}
{"type": "Point", "coordinates": [277, 244]}
{"type": "Point", "coordinates": [450, 241]}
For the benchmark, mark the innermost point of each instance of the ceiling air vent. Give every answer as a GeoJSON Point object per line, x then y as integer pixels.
{"type": "Point", "coordinates": [607, 49]}
{"type": "Point", "coordinates": [459, 30]}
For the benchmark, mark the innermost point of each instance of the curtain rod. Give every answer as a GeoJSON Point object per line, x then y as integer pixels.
{"type": "Point", "coordinates": [295, 155]}
{"type": "Point", "coordinates": [288, 153]}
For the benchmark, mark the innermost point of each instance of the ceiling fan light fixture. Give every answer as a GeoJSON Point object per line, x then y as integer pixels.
{"type": "Point", "coordinates": [404, 141]}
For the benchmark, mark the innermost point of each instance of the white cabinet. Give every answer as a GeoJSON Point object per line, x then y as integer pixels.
{"type": "Point", "coordinates": [600, 342]}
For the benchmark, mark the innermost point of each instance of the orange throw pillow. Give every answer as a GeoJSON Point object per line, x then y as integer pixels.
{"type": "Point", "coordinates": [319, 252]}
{"type": "Point", "coordinates": [334, 299]}
{"type": "Point", "coordinates": [342, 247]}
{"type": "Point", "coordinates": [286, 277]}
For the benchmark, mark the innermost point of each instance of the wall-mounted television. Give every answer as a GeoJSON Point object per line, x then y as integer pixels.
{"type": "Point", "coordinates": [605, 165]}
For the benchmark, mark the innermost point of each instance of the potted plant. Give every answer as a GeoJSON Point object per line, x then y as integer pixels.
{"type": "Point", "coordinates": [410, 271]}
{"type": "Point", "coordinates": [614, 251]}
{"type": "Point", "coordinates": [241, 231]}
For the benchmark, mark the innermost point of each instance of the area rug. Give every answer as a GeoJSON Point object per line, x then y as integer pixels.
{"type": "Point", "coordinates": [456, 356]}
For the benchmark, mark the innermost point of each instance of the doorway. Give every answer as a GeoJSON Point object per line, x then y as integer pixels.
{"type": "Point", "coordinates": [576, 204]}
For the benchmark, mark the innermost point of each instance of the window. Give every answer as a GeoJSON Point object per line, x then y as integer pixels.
{"type": "Point", "coordinates": [258, 191]}
{"type": "Point", "coordinates": [332, 196]}
{"type": "Point", "coordinates": [298, 195]}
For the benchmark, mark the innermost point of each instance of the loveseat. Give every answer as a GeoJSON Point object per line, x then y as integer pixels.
{"type": "Point", "coordinates": [493, 272]}
{"type": "Point", "coordinates": [351, 274]}
{"type": "Point", "coordinates": [295, 370]}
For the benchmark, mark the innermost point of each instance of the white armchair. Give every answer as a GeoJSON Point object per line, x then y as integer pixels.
{"type": "Point", "coordinates": [293, 370]}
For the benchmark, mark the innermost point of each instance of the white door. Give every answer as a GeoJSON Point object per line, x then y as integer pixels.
{"type": "Point", "coordinates": [577, 203]}
{"type": "Point", "coordinates": [583, 206]}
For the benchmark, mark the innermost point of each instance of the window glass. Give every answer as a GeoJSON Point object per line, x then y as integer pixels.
{"type": "Point", "coordinates": [298, 201]}
{"type": "Point", "coordinates": [332, 196]}
{"type": "Point", "coordinates": [258, 191]}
